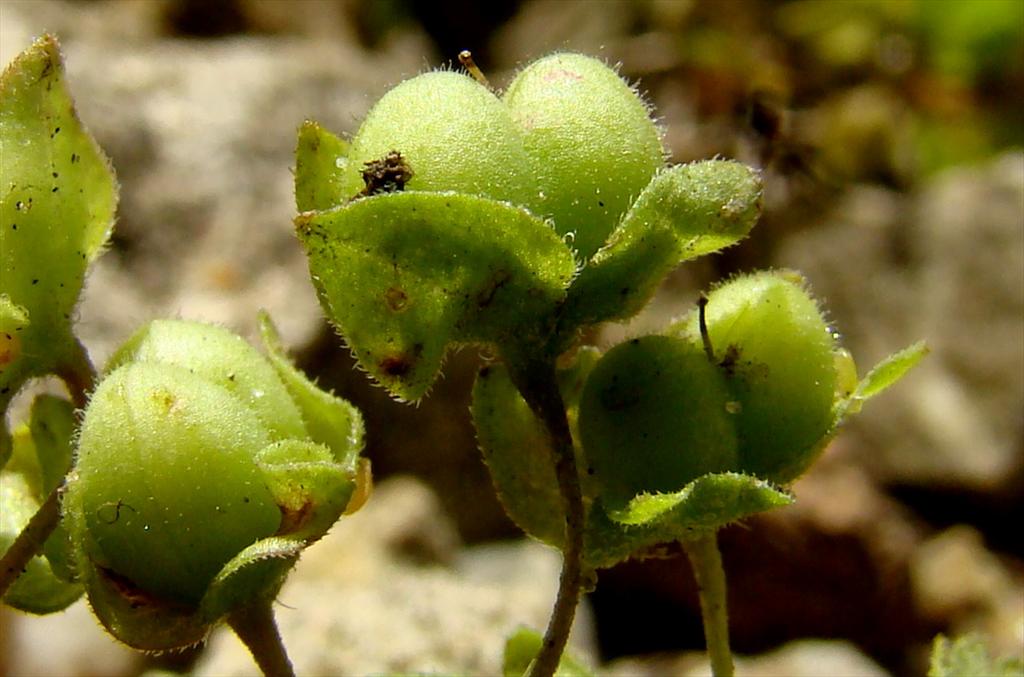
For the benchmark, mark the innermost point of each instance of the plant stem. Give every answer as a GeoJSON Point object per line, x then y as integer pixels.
{"type": "Point", "coordinates": [707, 569]}
{"type": "Point", "coordinates": [538, 384]}
{"type": "Point", "coordinates": [255, 626]}
{"type": "Point", "coordinates": [79, 376]}
{"type": "Point", "coordinates": [30, 540]}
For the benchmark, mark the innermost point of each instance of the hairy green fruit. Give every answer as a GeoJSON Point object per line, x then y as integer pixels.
{"type": "Point", "coordinates": [451, 133]}
{"type": "Point", "coordinates": [654, 415]}
{"type": "Point", "coordinates": [168, 487]}
{"type": "Point", "coordinates": [778, 355]}
{"type": "Point", "coordinates": [222, 357]}
{"type": "Point", "coordinates": [593, 144]}
{"type": "Point", "coordinates": [197, 483]}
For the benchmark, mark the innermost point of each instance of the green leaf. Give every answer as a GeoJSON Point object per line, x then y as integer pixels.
{"type": "Point", "coordinates": [707, 502]}
{"type": "Point", "coordinates": [968, 656]}
{"type": "Point", "coordinates": [57, 202]}
{"type": "Point", "coordinates": [686, 211]}
{"type": "Point", "coordinates": [517, 449]}
{"type": "Point", "coordinates": [39, 590]}
{"type": "Point", "coordinates": [52, 427]}
{"type": "Point", "coordinates": [404, 275]}
{"type": "Point", "coordinates": [523, 646]}
{"type": "Point", "coordinates": [309, 488]}
{"type": "Point", "coordinates": [52, 424]}
{"type": "Point", "coordinates": [649, 521]}
{"type": "Point", "coordinates": [320, 160]}
{"type": "Point", "coordinates": [890, 370]}
{"type": "Point", "coordinates": [330, 420]}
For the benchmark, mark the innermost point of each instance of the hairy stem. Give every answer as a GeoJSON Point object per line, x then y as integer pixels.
{"type": "Point", "coordinates": [30, 541]}
{"type": "Point", "coordinates": [79, 376]}
{"type": "Point", "coordinates": [537, 383]}
{"type": "Point", "coordinates": [707, 568]}
{"type": "Point", "coordinates": [255, 626]}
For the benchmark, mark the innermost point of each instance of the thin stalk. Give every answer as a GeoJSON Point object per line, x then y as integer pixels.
{"type": "Point", "coordinates": [707, 568]}
{"type": "Point", "coordinates": [537, 383]}
{"type": "Point", "coordinates": [255, 626]}
{"type": "Point", "coordinates": [30, 540]}
{"type": "Point", "coordinates": [79, 376]}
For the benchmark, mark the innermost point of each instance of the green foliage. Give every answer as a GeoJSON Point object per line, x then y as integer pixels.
{"type": "Point", "coordinates": [197, 483]}
{"type": "Point", "coordinates": [967, 656]}
{"type": "Point", "coordinates": [686, 211]}
{"type": "Point", "coordinates": [404, 275]}
{"type": "Point", "coordinates": [523, 645]}
{"type": "Point", "coordinates": [518, 455]}
{"type": "Point", "coordinates": [56, 205]}
{"type": "Point", "coordinates": [517, 448]}
{"type": "Point", "coordinates": [414, 255]}
{"type": "Point", "coordinates": [42, 455]}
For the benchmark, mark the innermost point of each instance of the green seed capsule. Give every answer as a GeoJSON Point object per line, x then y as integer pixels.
{"type": "Point", "coordinates": [436, 132]}
{"type": "Point", "coordinates": [773, 345]}
{"type": "Point", "coordinates": [196, 484]}
{"type": "Point", "coordinates": [653, 416]}
{"type": "Point", "coordinates": [168, 488]}
{"type": "Point", "coordinates": [222, 357]}
{"type": "Point", "coordinates": [592, 142]}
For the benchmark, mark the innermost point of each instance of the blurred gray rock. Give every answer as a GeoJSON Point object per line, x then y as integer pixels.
{"type": "Point", "coordinates": [804, 658]}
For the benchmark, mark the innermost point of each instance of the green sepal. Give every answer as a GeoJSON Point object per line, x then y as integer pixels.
{"type": "Point", "coordinates": [517, 449]}
{"type": "Point", "coordinates": [967, 656]}
{"type": "Point", "coordinates": [708, 502]}
{"type": "Point", "coordinates": [882, 375]}
{"type": "Point", "coordinates": [312, 492]}
{"type": "Point", "coordinates": [650, 520]}
{"type": "Point", "coordinates": [522, 647]}
{"type": "Point", "coordinates": [52, 427]}
{"type": "Point", "coordinates": [320, 160]}
{"type": "Point", "coordinates": [57, 202]}
{"type": "Point", "coordinates": [39, 590]}
{"type": "Point", "coordinates": [258, 571]}
{"type": "Point", "coordinates": [309, 487]}
{"type": "Point", "coordinates": [330, 420]}
{"type": "Point", "coordinates": [404, 275]}
{"type": "Point", "coordinates": [686, 211]}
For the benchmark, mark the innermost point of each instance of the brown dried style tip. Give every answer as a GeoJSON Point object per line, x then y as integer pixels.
{"type": "Point", "coordinates": [389, 174]}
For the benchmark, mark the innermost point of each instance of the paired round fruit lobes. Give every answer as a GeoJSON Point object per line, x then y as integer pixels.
{"type": "Point", "coordinates": [570, 141]}
{"type": "Point", "coordinates": [778, 354]}
{"type": "Point", "coordinates": [451, 134]}
{"type": "Point", "coordinates": [167, 486]}
{"type": "Point", "coordinates": [653, 416]}
{"type": "Point", "coordinates": [657, 412]}
{"type": "Point", "coordinates": [592, 141]}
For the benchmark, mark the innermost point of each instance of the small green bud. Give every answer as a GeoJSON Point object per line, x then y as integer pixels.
{"type": "Point", "coordinates": [778, 355]}
{"type": "Point", "coordinates": [654, 415]}
{"type": "Point", "coordinates": [196, 484]}
{"type": "Point", "coordinates": [592, 142]}
{"type": "Point", "coordinates": [440, 131]}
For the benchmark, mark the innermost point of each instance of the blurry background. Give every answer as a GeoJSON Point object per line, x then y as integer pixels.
{"type": "Point", "coordinates": [890, 134]}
